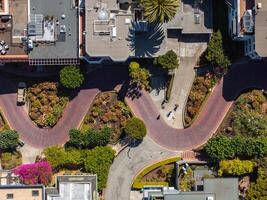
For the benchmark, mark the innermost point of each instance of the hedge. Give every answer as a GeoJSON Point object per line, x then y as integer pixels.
{"type": "Point", "coordinates": [6, 126]}
{"type": "Point", "coordinates": [137, 184]}
{"type": "Point", "coordinates": [169, 88]}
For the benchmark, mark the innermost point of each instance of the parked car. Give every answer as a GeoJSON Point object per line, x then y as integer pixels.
{"type": "Point", "coordinates": [21, 96]}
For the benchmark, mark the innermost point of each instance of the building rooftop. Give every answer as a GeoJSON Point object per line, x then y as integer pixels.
{"type": "Point", "coordinates": [22, 192]}
{"type": "Point", "coordinates": [13, 23]}
{"type": "Point", "coordinates": [76, 187]}
{"type": "Point", "coordinates": [261, 28]}
{"type": "Point", "coordinates": [214, 189]}
{"type": "Point", "coordinates": [53, 27]}
{"type": "Point", "coordinates": [112, 31]}
{"type": "Point", "coordinates": [193, 16]}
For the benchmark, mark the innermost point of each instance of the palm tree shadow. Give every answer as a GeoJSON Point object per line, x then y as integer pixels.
{"type": "Point", "coordinates": [145, 38]}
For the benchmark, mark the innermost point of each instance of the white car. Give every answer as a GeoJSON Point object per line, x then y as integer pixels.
{"type": "Point", "coordinates": [21, 96]}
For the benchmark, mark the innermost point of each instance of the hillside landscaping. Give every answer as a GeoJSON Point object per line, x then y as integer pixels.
{"type": "Point", "coordinates": [46, 103]}
{"type": "Point", "coordinates": [201, 88]}
{"type": "Point", "coordinates": [107, 111]}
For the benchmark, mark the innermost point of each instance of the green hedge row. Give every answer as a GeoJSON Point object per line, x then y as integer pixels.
{"type": "Point", "coordinates": [6, 126]}
{"type": "Point", "coordinates": [137, 184]}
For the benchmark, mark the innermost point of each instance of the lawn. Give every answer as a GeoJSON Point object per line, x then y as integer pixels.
{"type": "Point", "coordinates": [107, 109]}
{"type": "Point", "coordinates": [47, 103]}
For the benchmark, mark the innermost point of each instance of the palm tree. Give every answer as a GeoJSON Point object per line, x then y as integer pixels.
{"type": "Point", "coordinates": [159, 10]}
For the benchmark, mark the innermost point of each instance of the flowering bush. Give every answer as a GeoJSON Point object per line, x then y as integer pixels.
{"type": "Point", "coordinates": [34, 173]}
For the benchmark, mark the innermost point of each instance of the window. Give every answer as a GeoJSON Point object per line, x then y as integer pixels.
{"type": "Point", "coordinates": [9, 196]}
{"type": "Point", "coordinates": [35, 193]}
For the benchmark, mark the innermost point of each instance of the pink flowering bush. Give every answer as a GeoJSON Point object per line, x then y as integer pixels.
{"type": "Point", "coordinates": [34, 173]}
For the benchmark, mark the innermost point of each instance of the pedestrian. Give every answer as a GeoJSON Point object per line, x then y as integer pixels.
{"type": "Point", "coordinates": [175, 107]}
{"type": "Point", "coordinates": [158, 117]}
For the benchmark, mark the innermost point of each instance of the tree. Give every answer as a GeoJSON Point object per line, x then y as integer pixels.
{"type": "Point", "coordinates": [90, 138]}
{"type": "Point", "coordinates": [159, 10]}
{"type": "Point", "coordinates": [215, 52]}
{"type": "Point", "coordinates": [138, 75]}
{"type": "Point", "coordinates": [56, 156]}
{"type": "Point", "coordinates": [9, 140]}
{"type": "Point", "coordinates": [71, 77]}
{"type": "Point", "coordinates": [34, 173]}
{"type": "Point", "coordinates": [236, 167]}
{"type": "Point", "coordinates": [219, 148]}
{"type": "Point", "coordinates": [135, 128]}
{"type": "Point", "coordinates": [257, 190]}
{"type": "Point", "coordinates": [98, 161]}
{"type": "Point", "coordinates": [98, 138]}
{"type": "Point", "coordinates": [77, 139]}
{"type": "Point", "coordinates": [168, 61]}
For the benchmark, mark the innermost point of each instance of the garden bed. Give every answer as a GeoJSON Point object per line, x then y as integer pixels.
{"type": "Point", "coordinates": [3, 122]}
{"type": "Point", "coordinates": [161, 173]}
{"type": "Point", "coordinates": [107, 110]}
{"type": "Point", "coordinates": [248, 116]}
{"type": "Point", "coordinates": [46, 103]}
{"type": "Point", "coordinates": [202, 86]}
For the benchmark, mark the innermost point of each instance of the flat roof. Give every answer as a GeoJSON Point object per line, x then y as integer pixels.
{"type": "Point", "coordinates": [121, 41]}
{"type": "Point", "coordinates": [73, 187]}
{"type": "Point", "coordinates": [261, 29]}
{"type": "Point", "coordinates": [188, 13]}
{"type": "Point", "coordinates": [66, 45]}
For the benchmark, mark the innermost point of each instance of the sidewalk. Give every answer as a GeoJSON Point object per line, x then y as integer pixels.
{"type": "Point", "coordinates": [183, 80]}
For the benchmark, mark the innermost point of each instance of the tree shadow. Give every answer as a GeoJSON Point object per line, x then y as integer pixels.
{"type": "Point", "coordinates": [145, 38]}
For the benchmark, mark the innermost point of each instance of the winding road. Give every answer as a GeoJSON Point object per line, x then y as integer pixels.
{"type": "Point", "coordinates": [238, 79]}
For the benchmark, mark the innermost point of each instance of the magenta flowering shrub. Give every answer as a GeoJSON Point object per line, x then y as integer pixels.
{"type": "Point", "coordinates": [34, 173]}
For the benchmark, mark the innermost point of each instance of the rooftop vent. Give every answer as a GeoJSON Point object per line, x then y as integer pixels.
{"type": "Point", "coordinates": [102, 14]}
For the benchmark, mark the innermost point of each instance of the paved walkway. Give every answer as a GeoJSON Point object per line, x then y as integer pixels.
{"type": "Point", "coordinates": [183, 80]}
{"type": "Point", "coordinates": [128, 163]}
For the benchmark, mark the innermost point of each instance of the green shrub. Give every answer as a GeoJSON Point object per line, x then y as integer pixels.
{"type": "Point", "coordinates": [257, 190]}
{"type": "Point", "coordinates": [223, 148]}
{"type": "Point", "coordinates": [168, 61]}
{"type": "Point", "coordinates": [89, 139]}
{"type": "Point", "coordinates": [135, 128]}
{"type": "Point", "coordinates": [139, 75]}
{"type": "Point", "coordinates": [71, 77]}
{"type": "Point", "coordinates": [215, 52]}
{"type": "Point", "coordinates": [98, 161]}
{"type": "Point", "coordinates": [169, 89]}
{"type": "Point", "coordinates": [10, 160]}
{"type": "Point", "coordinates": [236, 167]}
{"type": "Point", "coordinates": [9, 140]}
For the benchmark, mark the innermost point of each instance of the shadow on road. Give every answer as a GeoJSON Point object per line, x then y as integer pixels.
{"type": "Point", "coordinates": [244, 77]}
